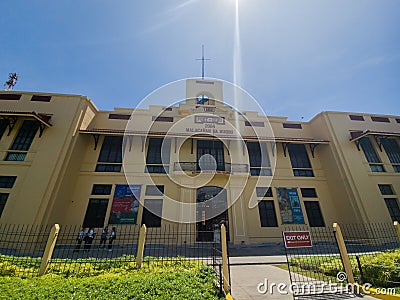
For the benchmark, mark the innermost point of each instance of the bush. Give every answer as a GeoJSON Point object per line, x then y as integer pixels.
{"type": "Point", "coordinates": [331, 268]}
{"type": "Point", "coordinates": [114, 279]}
{"type": "Point", "coordinates": [18, 266]}
{"type": "Point", "coordinates": [380, 269]}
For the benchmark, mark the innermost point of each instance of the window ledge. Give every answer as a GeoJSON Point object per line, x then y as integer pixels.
{"type": "Point", "coordinates": [16, 163]}
{"type": "Point", "coordinates": [383, 174]}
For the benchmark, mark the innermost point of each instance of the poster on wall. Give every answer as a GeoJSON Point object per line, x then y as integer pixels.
{"type": "Point", "coordinates": [125, 204]}
{"type": "Point", "coordinates": [289, 206]}
{"type": "Point", "coordinates": [295, 206]}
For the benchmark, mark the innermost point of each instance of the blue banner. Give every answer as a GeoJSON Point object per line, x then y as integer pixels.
{"type": "Point", "coordinates": [284, 206]}
{"type": "Point", "coordinates": [125, 204]}
{"type": "Point", "coordinates": [294, 200]}
{"type": "Point", "coordinates": [289, 206]}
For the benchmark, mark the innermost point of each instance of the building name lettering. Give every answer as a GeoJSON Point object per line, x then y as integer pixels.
{"type": "Point", "coordinates": [209, 125]}
{"type": "Point", "coordinates": [209, 119]}
{"type": "Point", "coordinates": [210, 130]}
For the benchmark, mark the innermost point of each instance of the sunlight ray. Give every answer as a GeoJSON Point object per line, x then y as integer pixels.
{"type": "Point", "coordinates": [180, 6]}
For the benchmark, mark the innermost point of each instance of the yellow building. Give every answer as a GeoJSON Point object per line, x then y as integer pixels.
{"type": "Point", "coordinates": [199, 161]}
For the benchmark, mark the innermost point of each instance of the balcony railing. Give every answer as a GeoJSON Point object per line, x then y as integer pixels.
{"type": "Point", "coordinates": [218, 167]}
{"type": "Point", "coordinates": [157, 168]}
{"type": "Point", "coordinates": [261, 171]}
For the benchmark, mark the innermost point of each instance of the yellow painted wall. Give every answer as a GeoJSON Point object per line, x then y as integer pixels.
{"type": "Point", "coordinates": [55, 181]}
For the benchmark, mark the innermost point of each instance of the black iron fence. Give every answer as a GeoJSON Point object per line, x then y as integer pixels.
{"type": "Point", "coordinates": [211, 166]}
{"type": "Point", "coordinates": [311, 267]}
{"type": "Point", "coordinates": [371, 250]}
{"type": "Point", "coordinates": [374, 253]}
{"type": "Point", "coordinates": [22, 248]}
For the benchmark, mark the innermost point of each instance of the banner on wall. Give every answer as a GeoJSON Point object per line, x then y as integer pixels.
{"type": "Point", "coordinates": [289, 206]}
{"type": "Point", "coordinates": [294, 200]}
{"type": "Point", "coordinates": [125, 204]}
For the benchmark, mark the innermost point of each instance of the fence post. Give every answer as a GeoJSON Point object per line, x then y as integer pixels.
{"type": "Point", "coordinates": [397, 227]}
{"type": "Point", "coordinates": [225, 267]}
{"type": "Point", "coordinates": [343, 253]}
{"type": "Point", "coordinates": [140, 249]}
{"type": "Point", "coordinates": [48, 252]}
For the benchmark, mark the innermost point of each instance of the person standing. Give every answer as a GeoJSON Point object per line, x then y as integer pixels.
{"type": "Point", "coordinates": [89, 239]}
{"type": "Point", "coordinates": [111, 239]}
{"type": "Point", "coordinates": [103, 238]}
{"type": "Point", "coordinates": [79, 239]}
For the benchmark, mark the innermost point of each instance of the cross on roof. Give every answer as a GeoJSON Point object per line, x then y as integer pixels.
{"type": "Point", "coordinates": [202, 61]}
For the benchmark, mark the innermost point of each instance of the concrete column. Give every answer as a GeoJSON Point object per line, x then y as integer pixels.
{"type": "Point", "coordinates": [187, 215]}
{"type": "Point", "coordinates": [238, 215]}
{"type": "Point", "coordinates": [397, 227]}
{"type": "Point", "coordinates": [48, 252]}
{"type": "Point", "coordinates": [141, 243]}
{"type": "Point", "coordinates": [343, 253]}
{"type": "Point", "coordinates": [225, 266]}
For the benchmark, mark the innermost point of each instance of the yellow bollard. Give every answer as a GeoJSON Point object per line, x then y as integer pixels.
{"type": "Point", "coordinates": [343, 253]}
{"type": "Point", "coordinates": [48, 252]}
{"type": "Point", "coordinates": [397, 227]}
{"type": "Point", "coordinates": [225, 267]}
{"type": "Point", "coordinates": [141, 243]}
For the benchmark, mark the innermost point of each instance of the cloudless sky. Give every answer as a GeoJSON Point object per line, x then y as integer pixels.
{"type": "Point", "coordinates": [297, 58]}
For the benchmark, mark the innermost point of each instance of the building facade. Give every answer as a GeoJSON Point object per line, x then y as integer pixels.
{"type": "Point", "coordinates": [199, 161]}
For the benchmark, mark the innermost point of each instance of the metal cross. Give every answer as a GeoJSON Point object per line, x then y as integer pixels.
{"type": "Point", "coordinates": [202, 61]}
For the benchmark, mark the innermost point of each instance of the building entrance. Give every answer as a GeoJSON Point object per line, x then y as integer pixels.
{"type": "Point", "coordinates": [211, 213]}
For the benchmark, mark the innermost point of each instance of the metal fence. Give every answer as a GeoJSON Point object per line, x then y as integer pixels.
{"type": "Point", "coordinates": [22, 248]}
{"type": "Point", "coordinates": [209, 166]}
{"type": "Point", "coordinates": [372, 252]}
{"type": "Point", "coordinates": [311, 268]}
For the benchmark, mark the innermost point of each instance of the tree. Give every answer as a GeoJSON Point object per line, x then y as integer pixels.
{"type": "Point", "coordinates": [11, 82]}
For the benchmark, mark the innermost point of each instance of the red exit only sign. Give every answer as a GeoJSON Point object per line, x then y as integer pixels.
{"type": "Point", "coordinates": [297, 239]}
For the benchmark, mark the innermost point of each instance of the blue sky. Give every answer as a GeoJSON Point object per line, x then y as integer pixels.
{"type": "Point", "coordinates": [297, 58]}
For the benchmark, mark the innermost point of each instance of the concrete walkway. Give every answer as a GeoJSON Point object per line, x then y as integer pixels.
{"type": "Point", "coordinates": [250, 281]}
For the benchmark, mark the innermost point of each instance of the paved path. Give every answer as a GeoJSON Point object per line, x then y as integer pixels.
{"type": "Point", "coordinates": [245, 280]}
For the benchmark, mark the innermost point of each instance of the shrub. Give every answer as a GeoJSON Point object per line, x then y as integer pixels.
{"type": "Point", "coordinates": [117, 278]}
{"type": "Point", "coordinates": [381, 269]}
{"type": "Point", "coordinates": [197, 283]}
{"type": "Point", "coordinates": [332, 267]}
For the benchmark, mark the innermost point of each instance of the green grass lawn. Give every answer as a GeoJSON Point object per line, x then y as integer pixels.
{"type": "Point", "coordinates": [307, 273]}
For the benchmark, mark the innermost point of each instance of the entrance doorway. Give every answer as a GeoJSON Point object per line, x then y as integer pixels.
{"type": "Point", "coordinates": [211, 213]}
{"type": "Point", "coordinates": [215, 158]}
